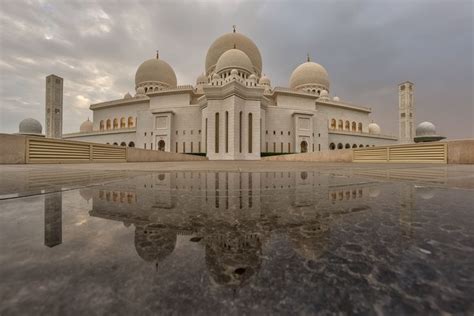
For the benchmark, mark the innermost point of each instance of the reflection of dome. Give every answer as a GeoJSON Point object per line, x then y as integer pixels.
{"type": "Point", "coordinates": [374, 128]}
{"type": "Point", "coordinates": [30, 126]}
{"type": "Point", "coordinates": [127, 95]}
{"type": "Point", "coordinates": [309, 240]}
{"type": "Point", "coordinates": [155, 71]}
{"type": "Point", "coordinates": [425, 129]}
{"type": "Point", "coordinates": [233, 257]}
{"type": "Point", "coordinates": [86, 194]}
{"type": "Point", "coordinates": [234, 58]}
{"type": "Point", "coordinates": [229, 41]}
{"type": "Point", "coordinates": [309, 73]}
{"type": "Point", "coordinates": [153, 242]}
{"type": "Point", "coordinates": [140, 91]}
{"type": "Point", "coordinates": [425, 193]}
{"type": "Point", "coordinates": [86, 126]}
{"type": "Point", "coordinates": [374, 192]}
{"type": "Point", "coordinates": [336, 99]}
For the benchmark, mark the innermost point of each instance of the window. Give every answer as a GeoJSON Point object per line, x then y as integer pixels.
{"type": "Point", "coordinates": [124, 144]}
{"type": "Point", "coordinates": [130, 122]}
{"type": "Point", "coordinates": [281, 147]}
{"type": "Point", "coordinates": [266, 146]}
{"type": "Point", "coordinates": [274, 132]}
{"type": "Point", "coordinates": [354, 126]}
{"type": "Point", "coordinates": [332, 146]}
{"type": "Point", "coordinates": [333, 124]}
{"type": "Point", "coordinates": [216, 132]}
{"type": "Point", "coordinates": [340, 146]}
{"type": "Point", "coordinates": [340, 124]}
{"type": "Point", "coordinates": [289, 133]}
{"type": "Point", "coordinates": [131, 144]}
{"type": "Point", "coordinates": [109, 124]}
{"type": "Point", "coordinates": [240, 132]}
{"type": "Point", "coordinates": [289, 147]}
{"type": "Point", "coordinates": [274, 147]}
{"type": "Point", "coordinates": [359, 127]}
{"type": "Point", "coordinates": [250, 133]}
{"type": "Point", "coordinates": [266, 132]}
{"type": "Point", "coordinates": [161, 145]}
{"type": "Point", "coordinates": [101, 125]}
{"type": "Point", "coordinates": [348, 146]}
{"type": "Point", "coordinates": [205, 137]}
{"type": "Point", "coordinates": [319, 147]}
{"type": "Point", "coordinates": [347, 126]}
{"type": "Point", "coordinates": [226, 131]}
{"type": "Point", "coordinates": [123, 122]}
{"type": "Point", "coordinates": [144, 146]}
{"type": "Point", "coordinates": [281, 133]}
{"type": "Point", "coordinates": [176, 132]}
{"type": "Point", "coordinates": [151, 146]}
{"type": "Point", "coordinates": [145, 133]}
{"type": "Point", "coordinates": [176, 147]}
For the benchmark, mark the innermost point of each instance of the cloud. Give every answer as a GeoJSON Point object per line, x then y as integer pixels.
{"type": "Point", "coordinates": [367, 46]}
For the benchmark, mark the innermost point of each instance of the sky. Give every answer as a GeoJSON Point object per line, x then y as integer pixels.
{"type": "Point", "coordinates": [368, 47]}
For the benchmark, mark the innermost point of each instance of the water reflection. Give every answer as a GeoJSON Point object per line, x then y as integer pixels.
{"type": "Point", "coordinates": [53, 212]}
{"type": "Point", "coordinates": [232, 215]}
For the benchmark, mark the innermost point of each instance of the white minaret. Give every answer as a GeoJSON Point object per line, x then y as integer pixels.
{"type": "Point", "coordinates": [406, 109]}
{"type": "Point", "coordinates": [54, 106]}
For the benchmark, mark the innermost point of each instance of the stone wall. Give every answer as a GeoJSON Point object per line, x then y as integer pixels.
{"type": "Point", "coordinates": [343, 155]}
{"type": "Point", "coordinates": [12, 149]}
{"type": "Point", "coordinates": [461, 151]}
{"type": "Point", "coordinates": [143, 155]}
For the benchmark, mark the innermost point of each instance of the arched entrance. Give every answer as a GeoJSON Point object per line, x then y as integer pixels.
{"type": "Point", "coordinates": [161, 145]}
{"type": "Point", "coordinates": [304, 147]}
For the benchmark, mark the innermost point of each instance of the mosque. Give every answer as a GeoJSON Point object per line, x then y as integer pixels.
{"type": "Point", "coordinates": [233, 112]}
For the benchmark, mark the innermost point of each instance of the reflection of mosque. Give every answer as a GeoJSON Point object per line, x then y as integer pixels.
{"type": "Point", "coordinates": [230, 214]}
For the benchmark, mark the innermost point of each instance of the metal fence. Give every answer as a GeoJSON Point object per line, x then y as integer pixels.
{"type": "Point", "coordinates": [422, 153]}
{"type": "Point", "coordinates": [46, 150]}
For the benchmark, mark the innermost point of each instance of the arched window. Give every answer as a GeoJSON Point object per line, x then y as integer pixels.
{"type": "Point", "coordinates": [354, 146]}
{"type": "Point", "coordinates": [161, 145]}
{"type": "Point", "coordinates": [226, 131]}
{"type": "Point", "coordinates": [250, 133]}
{"type": "Point", "coordinates": [109, 124]}
{"type": "Point", "coordinates": [124, 144]}
{"type": "Point", "coordinates": [123, 122]}
{"type": "Point", "coordinates": [340, 124]}
{"type": "Point", "coordinates": [360, 146]}
{"type": "Point", "coordinates": [115, 144]}
{"type": "Point", "coordinates": [131, 123]}
{"type": "Point", "coordinates": [116, 123]}
{"type": "Point", "coordinates": [240, 132]}
{"type": "Point", "coordinates": [131, 144]}
{"type": "Point", "coordinates": [359, 127]}
{"type": "Point", "coordinates": [367, 146]}
{"type": "Point", "coordinates": [216, 132]}
{"type": "Point", "coordinates": [304, 147]}
{"type": "Point", "coordinates": [332, 146]}
{"type": "Point", "coordinates": [348, 145]}
{"type": "Point", "coordinates": [101, 125]}
{"type": "Point", "coordinates": [340, 146]}
{"type": "Point", "coordinates": [347, 126]}
{"type": "Point", "coordinates": [333, 124]}
{"type": "Point", "coordinates": [354, 126]}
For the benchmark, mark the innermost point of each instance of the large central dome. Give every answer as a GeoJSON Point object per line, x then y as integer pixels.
{"type": "Point", "coordinates": [229, 41]}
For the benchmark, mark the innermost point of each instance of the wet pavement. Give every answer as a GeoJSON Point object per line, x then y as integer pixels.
{"type": "Point", "coordinates": [243, 239]}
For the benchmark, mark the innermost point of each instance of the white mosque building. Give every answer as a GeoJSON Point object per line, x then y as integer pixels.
{"type": "Point", "coordinates": [233, 111]}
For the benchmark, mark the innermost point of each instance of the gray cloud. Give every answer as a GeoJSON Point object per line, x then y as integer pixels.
{"type": "Point", "coordinates": [368, 47]}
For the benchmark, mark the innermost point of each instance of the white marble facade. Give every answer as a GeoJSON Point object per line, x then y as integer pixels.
{"type": "Point", "coordinates": [233, 112]}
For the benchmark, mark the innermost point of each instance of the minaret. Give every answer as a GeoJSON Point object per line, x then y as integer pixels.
{"type": "Point", "coordinates": [54, 107]}
{"type": "Point", "coordinates": [406, 109]}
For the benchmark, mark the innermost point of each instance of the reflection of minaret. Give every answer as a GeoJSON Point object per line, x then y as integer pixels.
{"type": "Point", "coordinates": [53, 209]}
{"type": "Point", "coordinates": [407, 206]}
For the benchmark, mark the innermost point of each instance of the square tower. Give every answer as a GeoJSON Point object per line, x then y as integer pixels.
{"type": "Point", "coordinates": [54, 106]}
{"type": "Point", "coordinates": [406, 109]}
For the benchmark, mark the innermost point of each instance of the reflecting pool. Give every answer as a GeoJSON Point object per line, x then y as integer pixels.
{"type": "Point", "coordinates": [239, 242]}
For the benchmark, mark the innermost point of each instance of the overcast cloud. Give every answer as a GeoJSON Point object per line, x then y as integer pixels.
{"type": "Point", "coordinates": [368, 47]}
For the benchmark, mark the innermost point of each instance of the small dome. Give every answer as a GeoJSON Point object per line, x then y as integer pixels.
{"type": "Point", "coordinates": [216, 76]}
{"type": "Point", "coordinates": [374, 128]}
{"type": "Point", "coordinates": [264, 80]}
{"type": "Point", "coordinates": [234, 72]}
{"type": "Point", "coordinates": [425, 129]}
{"type": "Point", "coordinates": [336, 99]}
{"type": "Point", "coordinates": [30, 126]}
{"type": "Point", "coordinates": [234, 58]}
{"type": "Point", "coordinates": [86, 126]}
{"type": "Point", "coordinates": [202, 79]}
{"type": "Point", "coordinates": [252, 77]}
{"type": "Point", "coordinates": [157, 71]}
{"type": "Point", "coordinates": [309, 73]}
{"type": "Point", "coordinates": [227, 42]}
{"type": "Point", "coordinates": [127, 95]}
{"type": "Point", "coordinates": [140, 91]}
{"type": "Point", "coordinates": [324, 95]}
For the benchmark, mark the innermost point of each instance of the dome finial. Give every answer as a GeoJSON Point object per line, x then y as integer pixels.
{"type": "Point", "coordinates": [234, 27]}
{"type": "Point", "coordinates": [157, 54]}
{"type": "Point", "coordinates": [307, 57]}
